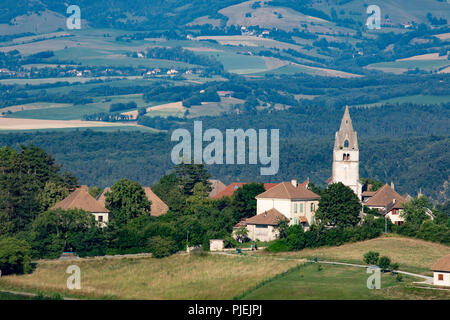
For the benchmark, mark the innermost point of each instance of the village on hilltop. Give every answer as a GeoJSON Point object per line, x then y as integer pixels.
{"type": "Point", "coordinates": [290, 201]}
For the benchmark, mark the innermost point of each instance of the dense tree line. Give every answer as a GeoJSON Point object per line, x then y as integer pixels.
{"type": "Point", "coordinates": [418, 162]}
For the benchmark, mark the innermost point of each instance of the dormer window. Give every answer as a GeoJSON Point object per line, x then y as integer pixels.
{"type": "Point", "coordinates": [346, 144]}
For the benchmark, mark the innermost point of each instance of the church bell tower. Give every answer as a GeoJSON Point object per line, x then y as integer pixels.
{"type": "Point", "coordinates": [346, 156]}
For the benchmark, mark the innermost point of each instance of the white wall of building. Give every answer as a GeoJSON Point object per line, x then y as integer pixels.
{"type": "Point", "coordinates": [444, 282]}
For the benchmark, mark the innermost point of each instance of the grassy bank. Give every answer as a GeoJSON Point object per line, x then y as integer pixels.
{"type": "Point", "coordinates": [412, 255]}
{"type": "Point", "coordinates": [336, 282]}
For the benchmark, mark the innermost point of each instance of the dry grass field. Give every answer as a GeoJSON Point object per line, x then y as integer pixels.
{"type": "Point", "coordinates": [428, 56]}
{"type": "Point", "coordinates": [180, 276]}
{"type": "Point", "coordinates": [412, 255]}
{"type": "Point", "coordinates": [37, 124]}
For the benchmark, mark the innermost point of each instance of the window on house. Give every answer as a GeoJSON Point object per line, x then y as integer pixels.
{"type": "Point", "coordinates": [301, 207]}
{"type": "Point", "coordinates": [295, 208]}
{"type": "Point", "coordinates": [295, 221]}
{"type": "Point", "coordinates": [100, 218]}
{"type": "Point", "coordinates": [440, 277]}
{"type": "Point", "coordinates": [312, 207]}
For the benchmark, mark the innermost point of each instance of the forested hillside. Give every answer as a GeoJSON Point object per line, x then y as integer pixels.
{"type": "Point", "coordinates": [99, 158]}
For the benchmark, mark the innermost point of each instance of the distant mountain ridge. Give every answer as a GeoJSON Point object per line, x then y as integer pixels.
{"type": "Point", "coordinates": [154, 14]}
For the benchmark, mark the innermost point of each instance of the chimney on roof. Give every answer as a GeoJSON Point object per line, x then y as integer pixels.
{"type": "Point", "coordinates": [392, 185]}
{"type": "Point", "coordinates": [294, 183]}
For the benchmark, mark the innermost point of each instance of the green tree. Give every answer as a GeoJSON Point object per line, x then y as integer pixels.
{"type": "Point", "coordinates": [126, 201]}
{"type": "Point", "coordinates": [165, 185]}
{"type": "Point", "coordinates": [23, 181]}
{"type": "Point", "coordinates": [384, 263]}
{"type": "Point", "coordinates": [338, 206]}
{"type": "Point", "coordinates": [198, 200]}
{"type": "Point", "coordinates": [15, 256]}
{"type": "Point", "coordinates": [51, 194]}
{"type": "Point", "coordinates": [95, 191]}
{"type": "Point", "coordinates": [375, 184]}
{"type": "Point", "coordinates": [371, 257]}
{"type": "Point", "coordinates": [161, 247]}
{"type": "Point", "coordinates": [55, 231]}
{"type": "Point", "coordinates": [415, 210]}
{"type": "Point", "coordinates": [244, 202]}
{"type": "Point", "coordinates": [190, 174]}
{"type": "Point", "coordinates": [282, 227]}
{"type": "Point", "coordinates": [295, 238]}
{"type": "Point", "coordinates": [314, 188]}
{"type": "Point", "coordinates": [242, 234]}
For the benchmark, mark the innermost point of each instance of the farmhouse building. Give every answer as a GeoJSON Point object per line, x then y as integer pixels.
{"type": "Point", "coordinates": [441, 271]}
{"type": "Point", "coordinates": [81, 199]}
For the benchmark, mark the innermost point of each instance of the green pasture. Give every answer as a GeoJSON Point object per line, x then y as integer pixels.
{"type": "Point", "coordinates": [337, 282]}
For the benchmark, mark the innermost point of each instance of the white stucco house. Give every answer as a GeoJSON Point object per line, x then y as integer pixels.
{"type": "Point", "coordinates": [441, 271]}
{"type": "Point", "coordinates": [294, 201]}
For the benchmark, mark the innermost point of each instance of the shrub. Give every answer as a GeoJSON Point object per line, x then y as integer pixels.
{"type": "Point", "coordinates": [278, 246]}
{"type": "Point", "coordinates": [161, 247]}
{"type": "Point", "coordinates": [384, 262]}
{"type": "Point", "coordinates": [15, 256]}
{"type": "Point", "coordinates": [371, 257]}
{"type": "Point", "coordinates": [296, 238]}
{"type": "Point", "coordinates": [394, 266]}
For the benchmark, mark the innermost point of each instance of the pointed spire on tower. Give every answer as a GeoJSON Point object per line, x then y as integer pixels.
{"type": "Point", "coordinates": [346, 122]}
{"type": "Point", "coordinates": [346, 137]}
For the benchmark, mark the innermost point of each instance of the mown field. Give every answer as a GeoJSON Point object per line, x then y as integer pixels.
{"type": "Point", "coordinates": [335, 282]}
{"type": "Point", "coordinates": [412, 255]}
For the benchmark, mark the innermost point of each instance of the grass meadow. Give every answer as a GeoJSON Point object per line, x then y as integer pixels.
{"type": "Point", "coordinates": [195, 276]}
{"type": "Point", "coordinates": [248, 276]}
{"type": "Point", "coordinates": [412, 255]}
{"type": "Point", "coordinates": [336, 282]}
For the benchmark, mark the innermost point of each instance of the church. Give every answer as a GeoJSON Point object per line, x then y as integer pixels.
{"type": "Point", "coordinates": [295, 203]}
{"type": "Point", "coordinates": [345, 166]}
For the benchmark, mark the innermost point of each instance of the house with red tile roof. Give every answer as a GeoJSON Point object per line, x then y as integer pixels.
{"type": "Point", "coordinates": [216, 187]}
{"type": "Point", "coordinates": [229, 190]}
{"type": "Point", "coordinates": [81, 199]}
{"type": "Point", "coordinates": [262, 227]}
{"type": "Point", "coordinates": [294, 201]}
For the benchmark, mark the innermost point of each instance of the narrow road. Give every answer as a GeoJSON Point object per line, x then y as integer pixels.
{"type": "Point", "coordinates": [427, 280]}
